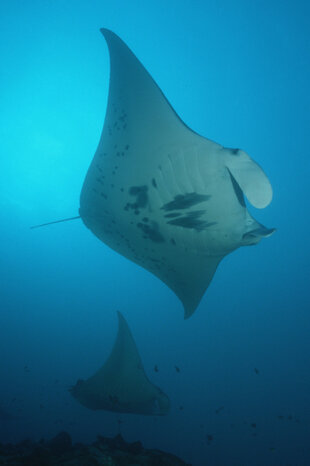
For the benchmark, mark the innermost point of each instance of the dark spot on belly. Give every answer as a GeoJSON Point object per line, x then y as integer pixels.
{"type": "Point", "coordinates": [140, 193]}
{"type": "Point", "coordinates": [192, 220]}
{"type": "Point", "coordinates": [151, 232]}
{"type": "Point", "coordinates": [173, 215]}
{"type": "Point", "coordinates": [184, 201]}
{"type": "Point", "coordinates": [234, 151]}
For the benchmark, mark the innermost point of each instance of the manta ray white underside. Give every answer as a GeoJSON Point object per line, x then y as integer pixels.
{"type": "Point", "coordinates": [160, 194]}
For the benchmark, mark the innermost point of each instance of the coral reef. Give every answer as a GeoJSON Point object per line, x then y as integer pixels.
{"type": "Point", "coordinates": [104, 451]}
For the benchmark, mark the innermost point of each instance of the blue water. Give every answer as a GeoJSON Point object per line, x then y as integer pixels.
{"type": "Point", "coordinates": [237, 73]}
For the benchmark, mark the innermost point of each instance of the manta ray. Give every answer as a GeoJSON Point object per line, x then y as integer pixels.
{"type": "Point", "coordinates": [121, 385]}
{"type": "Point", "coordinates": [160, 194]}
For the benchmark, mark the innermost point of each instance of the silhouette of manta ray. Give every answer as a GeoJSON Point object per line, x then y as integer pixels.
{"type": "Point", "coordinates": [121, 384]}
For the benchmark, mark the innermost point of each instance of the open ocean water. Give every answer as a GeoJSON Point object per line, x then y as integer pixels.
{"type": "Point", "coordinates": [238, 371]}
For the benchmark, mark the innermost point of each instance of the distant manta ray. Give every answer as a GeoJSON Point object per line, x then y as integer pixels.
{"type": "Point", "coordinates": [121, 384]}
{"type": "Point", "coordinates": [160, 194]}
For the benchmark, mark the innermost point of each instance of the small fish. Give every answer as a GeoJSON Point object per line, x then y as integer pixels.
{"type": "Point", "coordinates": [156, 368]}
{"type": "Point", "coordinates": [219, 409]}
{"type": "Point", "coordinates": [280, 417]}
{"type": "Point", "coordinates": [256, 370]}
{"type": "Point", "coordinates": [177, 368]}
{"type": "Point", "coordinates": [253, 425]}
{"type": "Point", "coordinates": [209, 438]}
{"type": "Point", "coordinates": [26, 369]}
{"type": "Point", "coordinates": [181, 408]}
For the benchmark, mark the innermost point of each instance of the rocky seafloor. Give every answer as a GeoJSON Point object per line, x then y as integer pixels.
{"type": "Point", "coordinates": [104, 451]}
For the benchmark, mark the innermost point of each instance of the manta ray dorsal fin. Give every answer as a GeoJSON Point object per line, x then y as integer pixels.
{"type": "Point", "coordinates": [250, 177]}
{"type": "Point", "coordinates": [135, 101]}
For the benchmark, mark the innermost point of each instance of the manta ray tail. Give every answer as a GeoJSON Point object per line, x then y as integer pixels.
{"type": "Point", "coordinates": [55, 221]}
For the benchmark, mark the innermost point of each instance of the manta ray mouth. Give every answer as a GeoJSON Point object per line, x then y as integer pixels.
{"type": "Point", "coordinates": [254, 236]}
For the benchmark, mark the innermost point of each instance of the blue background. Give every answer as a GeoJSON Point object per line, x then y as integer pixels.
{"type": "Point", "coordinates": [236, 72]}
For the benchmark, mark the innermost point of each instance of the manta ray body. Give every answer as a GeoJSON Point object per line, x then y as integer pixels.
{"type": "Point", "coordinates": [121, 384]}
{"type": "Point", "coordinates": [160, 194]}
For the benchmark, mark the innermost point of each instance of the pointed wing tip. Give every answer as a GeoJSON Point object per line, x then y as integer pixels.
{"type": "Point", "coordinates": [191, 300]}
{"type": "Point", "coordinates": [122, 323]}
{"type": "Point", "coordinates": [107, 32]}
{"type": "Point", "coordinates": [189, 311]}
{"type": "Point", "coordinates": [120, 316]}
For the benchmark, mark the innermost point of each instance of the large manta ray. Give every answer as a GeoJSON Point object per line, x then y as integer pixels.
{"type": "Point", "coordinates": [162, 195]}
